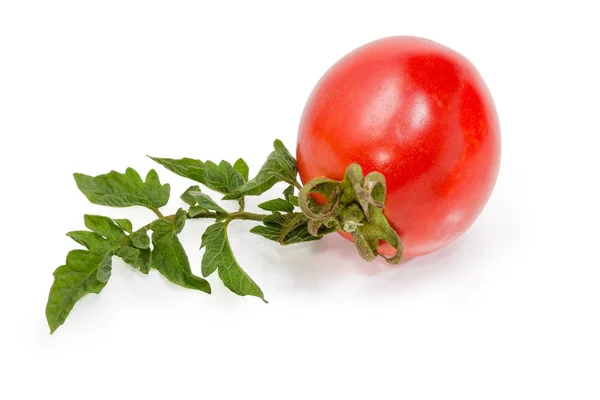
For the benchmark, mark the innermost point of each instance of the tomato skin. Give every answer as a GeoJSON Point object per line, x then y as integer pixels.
{"type": "Point", "coordinates": [419, 113]}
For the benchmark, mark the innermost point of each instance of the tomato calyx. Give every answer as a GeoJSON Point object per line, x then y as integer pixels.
{"type": "Point", "coordinates": [354, 205]}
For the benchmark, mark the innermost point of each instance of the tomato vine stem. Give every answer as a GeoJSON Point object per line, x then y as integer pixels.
{"type": "Point", "coordinates": [353, 205]}
{"type": "Point", "coordinates": [158, 213]}
{"type": "Point", "coordinates": [244, 215]}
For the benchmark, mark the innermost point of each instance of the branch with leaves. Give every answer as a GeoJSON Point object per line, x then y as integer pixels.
{"type": "Point", "coordinates": [353, 205]}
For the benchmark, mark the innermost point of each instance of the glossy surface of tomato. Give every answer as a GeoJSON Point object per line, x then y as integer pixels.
{"type": "Point", "coordinates": [419, 113]}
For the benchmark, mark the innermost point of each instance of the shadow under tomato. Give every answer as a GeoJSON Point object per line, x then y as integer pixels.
{"type": "Point", "coordinates": [336, 259]}
{"type": "Point", "coordinates": [346, 249]}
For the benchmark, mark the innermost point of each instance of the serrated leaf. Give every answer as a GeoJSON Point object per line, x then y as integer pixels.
{"type": "Point", "coordinates": [180, 219]}
{"type": "Point", "coordinates": [220, 217]}
{"type": "Point", "coordinates": [140, 239]}
{"type": "Point", "coordinates": [104, 226]}
{"type": "Point", "coordinates": [105, 268]}
{"type": "Point", "coordinates": [300, 234]}
{"type": "Point", "coordinates": [289, 191]}
{"type": "Point", "coordinates": [288, 194]}
{"type": "Point", "coordinates": [269, 232]}
{"type": "Point", "coordinates": [279, 167]}
{"type": "Point", "coordinates": [124, 224]}
{"type": "Point", "coordinates": [277, 219]}
{"type": "Point", "coordinates": [218, 256]}
{"type": "Point", "coordinates": [286, 229]}
{"type": "Point", "coordinates": [241, 167]}
{"type": "Point", "coordinates": [160, 228]}
{"type": "Point", "coordinates": [186, 167]}
{"type": "Point", "coordinates": [194, 211]}
{"type": "Point", "coordinates": [128, 254]}
{"type": "Point", "coordinates": [144, 261]}
{"type": "Point", "coordinates": [72, 281]}
{"type": "Point", "coordinates": [91, 241]}
{"type": "Point", "coordinates": [277, 205]}
{"type": "Point", "coordinates": [170, 259]}
{"type": "Point", "coordinates": [187, 197]}
{"type": "Point", "coordinates": [204, 201]}
{"type": "Point", "coordinates": [222, 178]}
{"type": "Point", "coordinates": [124, 190]}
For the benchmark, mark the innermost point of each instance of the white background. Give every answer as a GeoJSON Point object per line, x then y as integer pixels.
{"type": "Point", "coordinates": [508, 311]}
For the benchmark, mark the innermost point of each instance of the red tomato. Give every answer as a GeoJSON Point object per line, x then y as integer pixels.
{"type": "Point", "coordinates": [419, 113]}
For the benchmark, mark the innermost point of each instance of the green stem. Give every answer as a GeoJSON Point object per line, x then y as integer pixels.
{"type": "Point", "coordinates": [157, 212]}
{"type": "Point", "coordinates": [246, 216]}
{"type": "Point", "coordinates": [234, 215]}
{"type": "Point", "coordinates": [243, 215]}
{"type": "Point", "coordinates": [207, 214]}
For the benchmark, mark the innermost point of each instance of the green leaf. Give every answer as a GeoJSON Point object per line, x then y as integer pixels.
{"type": "Point", "coordinates": [170, 259]}
{"type": "Point", "coordinates": [299, 234]}
{"type": "Point", "coordinates": [288, 194]}
{"type": "Point", "coordinates": [286, 229]}
{"type": "Point", "coordinates": [105, 268]}
{"type": "Point", "coordinates": [128, 254]}
{"type": "Point", "coordinates": [279, 167]}
{"type": "Point", "coordinates": [104, 226]}
{"type": "Point", "coordinates": [180, 219]}
{"type": "Point", "coordinates": [289, 191]}
{"type": "Point", "coordinates": [124, 190]}
{"type": "Point", "coordinates": [277, 205]}
{"type": "Point", "coordinates": [278, 219]}
{"type": "Point", "coordinates": [187, 197]}
{"type": "Point", "coordinates": [218, 255]}
{"type": "Point", "coordinates": [204, 201]}
{"type": "Point", "coordinates": [144, 261]}
{"type": "Point", "coordinates": [241, 167]}
{"type": "Point", "coordinates": [186, 167]}
{"type": "Point", "coordinates": [91, 241]}
{"type": "Point", "coordinates": [140, 239]}
{"type": "Point", "coordinates": [222, 178]}
{"type": "Point", "coordinates": [293, 200]}
{"type": "Point", "coordinates": [220, 217]}
{"type": "Point", "coordinates": [160, 228]}
{"type": "Point", "coordinates": [194, 211]}
{"type": "Point", "coordinates": [124, 224]}
{"type": "Point", "coordinates": [268, 232]}
{"type": "Point", "coordinates": [72, 281]}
